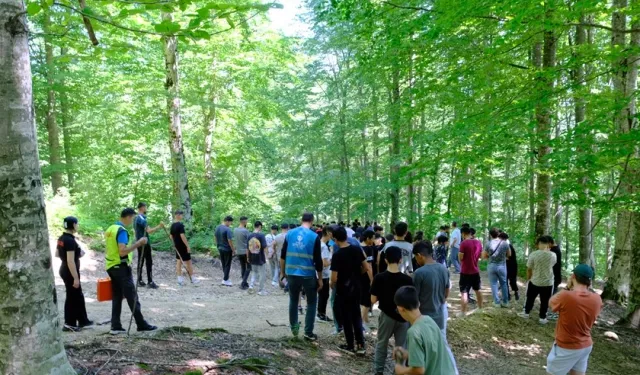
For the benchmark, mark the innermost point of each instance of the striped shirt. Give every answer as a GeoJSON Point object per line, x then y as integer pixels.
{"type": "Point", "coordinates": [542, 261]}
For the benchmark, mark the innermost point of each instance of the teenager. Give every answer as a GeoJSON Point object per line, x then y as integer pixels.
{"type": "Point", "coordinates": [323, 294]}
{"type": "Point", "coordinates": [69, 252]}
{"type": "Point", "coordinates": [427, 351]}
{"type": "Point", "coordinates": [390, 323]}
{"type": "Point", "coordinates": [454, 246]}
{"type": "Point", "coordinates": [512, 272]}
{"type": "Point", "coordinates": [181, 243]}
{"type": "Point", "coordinates": [557, 268]}
{"type": "Point", "coordinates": [257, 256]}
{"type": "Point", "coordinates": [241, 242]}
{"type": "Point", "coordinates": [142, 229]}
{"type": "Point", "coordinates": [441, 252]}
{"type": "Point", "coordinates": [578, 309]}
{"type": "Point", "coordinates": [274, 261]}
{"type": "Point", "coordinates": [400, 232]}
{"type": "Point", "coordinates": [369, 247]}
{"type": "Point", "coordinates": [441, 232]}
{"type": "Point", "coordinates": [278, 243]}
{"type": "Point", "coordinates": [470, 251]}
{"type": "Point", "coordinates": [496, 251]}
{"type": "Point", "coordinates": [540, 278]}
{"type": "Point", "coordinates": [224, 243]}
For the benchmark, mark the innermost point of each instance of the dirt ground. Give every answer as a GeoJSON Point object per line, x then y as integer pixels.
{"type": "Point", "coordinates": [216, 329]}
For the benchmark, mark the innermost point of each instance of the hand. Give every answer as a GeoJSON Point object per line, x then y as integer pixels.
{"type": "Point", "coordinates": [233, 253]}
{"type": "Point", "coordinates": [189, 250]}
{"type": "Point", "coordinates": [76, 283]}
{"type": "Point", "coordinates": [400, 369]}
{"type": "Point", "coordinates": [400, 353]}
{"type": "Point", "coordinates": [143, 241]}
{"type": "Point", "coordinates": [161, 225]}
{"type": "Point", "coordinates": [319, 284]}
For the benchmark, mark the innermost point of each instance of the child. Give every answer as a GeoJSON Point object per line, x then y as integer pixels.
{"type": "Point", "coordinates": [427, 350]}
{"type": "Point", "coordinates": [540, 278]}
{"type": "Point", "coordinates": [441, 251]}
{"type": "Point", "coordinates": [183, 250]}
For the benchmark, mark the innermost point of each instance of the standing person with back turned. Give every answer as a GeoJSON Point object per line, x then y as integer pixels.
{"type": "Point", "coordinates": [470, 251]}
{"type": "Point", "coordinates": [241, 241]}
{"type": "Point", "coordinates": [272, 259]}
{"type": "Point", "coordinates": [224, 243]}
{"type": "Point", "coordinates": [118, 264]}
{"type": "Point", "coordinates": [454, 247]}
{"type": "Point", "coordinates": [75, 311]}
{"type": "Point", "coordinates": [181, 243]}
{"type": "Point", "coordinates": [400, 232]}
{"type": "Point", "coordinates": [257, 254]}
{"type": "Point", "coordinates": [540, 278]}
{"type": "Point", "coordinates": [301, 262]}
{"type": "Point", "coordinates": [142, 229]}
{"type": "Point", "coordinates": [278, 244]}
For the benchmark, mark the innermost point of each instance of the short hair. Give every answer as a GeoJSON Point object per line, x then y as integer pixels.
{"type": "Point", "coordinates": [393, 254]}
{"type": "Point", "coordinates": [141, 204]}
{"type": "Point", "coordinates": [274, 227]}
{"type": "Point", "coordinates": [284, 226]}
{"type": "Point", "coordinates": [544, 239]}
{"type": "Point", "coordinates": [401, 229]}
{"type": "Point", "coordinates": [257, 224]}
{"type": "Point", "coordinates": [228, 218]}
{"type": "Point", "coordinates": [447, 227]}
{"type": "Point", "coordinates": [442, 227]}
{"type": "Point", "coordinates": [357, 236]}
{"type": "Point", "coordinates": [444, 239]}
{"type": "Point", "coordinates": [424, 248]}
{"type": "Point", "coordinates": [419, 235]}
{"type": "Point", "coordinates": [503, 236]}
{"type": "Point", "coordinates": [467, 225]}
{"type": "Point", "coordinates": [178, 212]}
{"type": "Point", "coordinates": [407, 298]}
{"type": "Point", "coordinates": [465, 230]}
{"type": "Point", "coordinates": [473, 231]}
{"type": "Point", "coordinates": [243, 218]}
{"type": "Point", "coordinates": [307, 217]}
{"type": "Point", "coordinates": [454, 224]}
{"type": "Point", "coordinates": [551, 240]}
{"type": "Point", "coordinates": [377, 228]}
{"type": "Point", "coordinates": [368, 234]}
{"type": "Point", "coordinates": [494, 232]}
{"type": "Point", "coordinates": [128, 212]}
{"type": "Point", "coordinates": [389, 237]}
{"type": "Point", "coordinates": [340, 234]}
{"type": "Point", "coordinates": [377, 235]}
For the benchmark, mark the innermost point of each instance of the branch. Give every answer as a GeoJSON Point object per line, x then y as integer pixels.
{"type": "Point", "coordinates": [88, 25]}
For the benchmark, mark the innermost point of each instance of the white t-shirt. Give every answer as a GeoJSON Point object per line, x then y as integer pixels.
{"type": "Point", "coordinates": [350, 232]}
{"type": "Point", "coordinates": [456, 237]}
{"type": "Point", "coordinates": [270, 239]}
{"type": "Point", "coordinates": [326, 254]}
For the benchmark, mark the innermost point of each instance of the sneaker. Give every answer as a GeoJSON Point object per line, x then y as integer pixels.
{"type": "Point", "coordinates": [361, 351]}
{"type": "Point", "coordinates": [152, 285]}
{"type": "Point", "coordinates": [224, 282]}
{"type": "Point", "coordinates": [147, 328]}
{"type": "Point", "coordinates": [347, 349]}
{"type": "Point", "coordinates": [118, 331]}
{"type": "Point", "coordinates": [243, 287]}
{"type": "Point", "coordinates": [70, 328]}
{"type": "Point", "coordinates": [312, 337]}
{"type": "Point", "coordinates": [295, 330]}
{"type": "Point", "coordinates": [505, 305]}
{"type": "Point", "coordinates": [552, 316]}
{"type": "Point", "coordinates": [263, 293]}
{"type": "Point", "coordinates": [88, 323]}
{"type": "Point", "coordinates": [180, 280]}
{"type": "Point", "coordinates": [543, 321]}
{"type": "Point", "coordinates": [337, 332]}
{"type": "Point", "coordinates": [195, 280]}
{"type": "Point", "coordinates": [274, 283]}
{"type": "Point", "coordinates": [523, 315]}
{"type": "Point", "coordinates": [251, 290]}
{"type": "Point", "coordinates": [141, 283]}
{"type": "Point", "coordinates": [496, 304]}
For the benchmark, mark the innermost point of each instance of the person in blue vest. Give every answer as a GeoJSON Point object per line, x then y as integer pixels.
{"type": "Point", "coordinates": [301, 261]}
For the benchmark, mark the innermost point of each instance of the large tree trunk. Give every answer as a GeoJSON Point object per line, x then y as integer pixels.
{"type": "Point", "coordinates": [52, 126]}
{"type": "Point", "coordinates": [211, 120]}
{"type": "Point", "coordinates": [394, 172]}
{"type": "Point", "coordinates": [181, 183]}
{"type": "Point", "coordinates": [31, 334]}
{"type": "Point", "coordinates": [634, 290]}
{"type": "Point", "coordinates": [66, 131]}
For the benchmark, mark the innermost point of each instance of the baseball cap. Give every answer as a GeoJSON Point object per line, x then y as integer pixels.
{"type": "Point", "coordinates": [583, 270]}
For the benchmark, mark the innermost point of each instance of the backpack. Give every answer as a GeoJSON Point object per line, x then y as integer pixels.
{"type": "Point", "coordinates": [255, 246]}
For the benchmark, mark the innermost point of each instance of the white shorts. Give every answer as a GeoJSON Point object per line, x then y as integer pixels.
{"type": "Point", "coordinates": [560, 361]}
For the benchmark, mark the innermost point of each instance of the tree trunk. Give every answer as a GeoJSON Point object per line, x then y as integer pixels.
{"type": "Point", "coordinates": [211, 120]}
{"type": "Point", "coordinates": [536, 60]}
{"type": "Point", "coordinates": [31, 339]}
{"type": "Point", "coordinates": [634, 290]}
{"type": "Point", "coordinates": [66, 132]}
{"type": "Point", "coordinates": [395, 146]}
{"type": "Point", "coordinates": [487, 197]}
{"type": "Point", "coordinates": [181, 183]}
{"type": "Point", "coordinates": [567, 251]}
{"type": "Point", "coordinates": [52, 126]}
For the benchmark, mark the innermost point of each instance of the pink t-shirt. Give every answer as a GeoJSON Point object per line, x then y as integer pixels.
{"type": "Point", "coordinates": [471, 249]}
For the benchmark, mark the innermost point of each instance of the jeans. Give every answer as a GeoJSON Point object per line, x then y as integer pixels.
{"type": "Point", "coordinates": [144, 254]}
{"type": "Point", "coordinates": [75, 311]}
{"type": "Point", "coordinates": [310, 287]}
{"type": "Point", "coordinates": [323, 297]}
{"type": "Point", "coordinates": [274, 270]}
{"type": "Point", "coordinates": [261, 271]}
{"type": "Point", "coordinates": [245, 269]}
{"type": "Point", "coordinates": [337, 313]}
{"type": "Point", "coordinates": [453, 259]}
{"type": "Point", "coordinates": [545, 294]}
{"type": "Point", "coordinates": [225, 259]}
{"type": "Point", "coordinates": [498, 274]}
{"type": "Point", "coordinates": [122, 285]}
{"type": "Point", "coordinates": [352, 319]}
{"type": "Point", "coordinates": [388, 327]}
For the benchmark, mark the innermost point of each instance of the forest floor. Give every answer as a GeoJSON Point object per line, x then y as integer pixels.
{"type": "Point", "coordinates": [213, 329]}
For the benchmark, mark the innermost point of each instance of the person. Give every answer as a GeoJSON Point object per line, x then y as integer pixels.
{"type": "Point", "coordinates": [496, 251]}
{"type": "Point", "coordinates": [390, 323]}
{"type": "Point", "coordinates": [337, 314]}
{"type": "Point", "coordinates": [512, 272]}
{"type": "Point", "coordinates": [369, 247]}
{"type": "Point", "coordinates": [323, 294]}
{"type": "Point", "coordinates": [224, 243]}
{"type": "Point", "coordinates": [257, 253]}
{"type": "Point", "coordinates": [419, 237]}
{"type": "Point", "coordinates": [278, 243]}
{"type": "Point", "coordinates": [350, 232]}
{"type": "Point", "coordinates": [380, 230]}
{"type": "Point", "coordinates": [241, 242]}
{"type": "Point", "coordinates": [69, 252]}
{"type": "Point", "coordinates": [400, 232]}
{"type": "Point", "coordinates": [441, 232]}
{"type": "Point", "coordinates": [183, 253]}
{"type": "Point", "coordinates": [441, 252]}
{"type": "Point", "coordinates": [557, 268]}
{"type": "Point", "coordinates": [347, 266]}
{"type": "Point", "coordinates": [470, 251]}
{"type": "Point", "coordinates": [118, 256]}
{"type": "Point", "coordinates": [301, 262]}
{"type": "Point", "coordinates": [427, 351]}
{"type": "Point", "coordinates": [274, 261]}
{"type": "Point", "coordinates": [578, 309]}
{"type": "Point", "coordinates": [454, 246]}
{"type": "Point", "coordinates": [432, 284]}
{"type": "Point", "coordinates": [142, 229]}
{"type": "Point", "coordinates": [540, 278]}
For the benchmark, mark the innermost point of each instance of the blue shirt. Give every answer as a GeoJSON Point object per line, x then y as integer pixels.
{"type": "Point", "coordinates": [140, 226]}
{"type": "Point", "coordinates": [123, 235]}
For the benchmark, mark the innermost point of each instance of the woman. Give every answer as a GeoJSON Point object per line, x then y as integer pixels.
{"type": "Point", "coordinates": [497, 251]}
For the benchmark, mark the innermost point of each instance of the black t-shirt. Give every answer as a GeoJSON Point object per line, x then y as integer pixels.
{"type": "Point", "coordinates": [385, 285]}
{"type": "Point", "coordinates": [259, 258]}
{"type": "Point", "coordinates": [67, 242]}
{"type": "Point", "coordinates": [176, 230]}
{"type": "Point", "coordinates": [348, 263]}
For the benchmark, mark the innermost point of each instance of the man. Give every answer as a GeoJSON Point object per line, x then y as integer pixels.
{"type": "Point", "coordinates": [323, 294]}
{"type": "Point", "coordinates": [557, 268]}
{"type": "Point", "coordinates": [347, 266]}
{"type": "Point", "coordinates": [224, 243]}
{"type": "Point", "coordinates": [380, 231]}
{"type": "Point", "coordinates": [241, 242]}
{"type": "Point", "coordinates": [540, 278]}
{"type": "Point", "coordinates": [454, 246]}
{"type": "Point", "coordinates": [370, 250]}
{"type": "Point", "coordinates": [142, 229]}
{"type": "Point", "coordinates": [69, 252]}
{"type": "Point", "coordinates": [257, 253]}
{"type": "Point", "coordinates": [400, 233]}
{"type": "Point", "coordinates": [118, 264]}
{"type": "Point", "coordinates": [440, 233]}
{"type": "Point", "coordinates": [278, 243]}
{"type": "Point", "coordinates": [428, 351]}
{"type": "Point", "coordinates": [390, 323]}
{"type": "Point", "coordinates": [273, 260]}
{"type": "Point", "coordinates": [470, 251]}
{"type": "Point", "coordinates": [301, 262]}
{"type": "Point", "coordinates": [578, 310]}
{"type": "Point", "coordinates": [183, 250]}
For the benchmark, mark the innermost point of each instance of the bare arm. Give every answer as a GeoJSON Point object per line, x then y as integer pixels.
{"type": "Point", "coordinates": [374, 299]}
{"type": "Point", "coordinates": [460, 256]}
{"type": "Point", "coordinates": [124, 250]}
{"type": "Point", "coordinates": [151, 230]}
{"type": "Point", "coordinates": [554, 302]}
{"type": "Point", "coordinates": [184, 239]}
{"type": "Point", "coordinates": [403, 370]}
{"type": "Point", "coordinates": [334, 279]}
{"type": "Point", "coordinates": [367, 268]}
{"type": "Point", "coordinates": [529, 273]}
{"type": "Point", "coordinates": [446, 293]}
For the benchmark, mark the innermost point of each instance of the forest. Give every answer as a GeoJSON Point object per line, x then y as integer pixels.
{"type": "Point", "coordinates": [515, 114]}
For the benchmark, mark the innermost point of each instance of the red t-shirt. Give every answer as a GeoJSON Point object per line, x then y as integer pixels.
{"type": "Point", "coordinates": [577, 314]}
{"type": "Point", "coordinates": [471, 249]}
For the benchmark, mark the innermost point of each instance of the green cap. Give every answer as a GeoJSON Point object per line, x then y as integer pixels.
{"type": "Point", "coordinates": [583, 270]}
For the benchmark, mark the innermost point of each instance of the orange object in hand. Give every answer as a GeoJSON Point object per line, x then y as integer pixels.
{"type": "Point", "coordinates": [104, 290]}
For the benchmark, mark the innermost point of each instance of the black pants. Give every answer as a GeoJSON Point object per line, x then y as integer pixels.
{"type": "Point", "coordinates": [144, 254]}
{"type": "Point", "coordinates": [75, 311]}
{"type": "Point", "coordinates": [323, 297]}
{"type": "Point", "coordinates": [245, 269]}
{"type": "Point", "coordinates": [532, 293]}
{"type": "Point", "coordinates": [351, 318]}
{"type": "Point", "coordinates": [122, 286]}
{"type": "Point", "coordinates": [513, 281]}
{"type": "Point", "coordinates": [225, 259]}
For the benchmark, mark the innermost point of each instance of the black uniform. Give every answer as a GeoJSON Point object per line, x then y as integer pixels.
{"type": "Point", "coordinates": [75, 312]}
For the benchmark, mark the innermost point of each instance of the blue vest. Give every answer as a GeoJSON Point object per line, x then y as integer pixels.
{"type": "Point", "coordinates": [300, 243]}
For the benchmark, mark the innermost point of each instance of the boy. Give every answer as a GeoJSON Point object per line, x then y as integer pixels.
{"type": "Point", "coordinates": [241, 241]}
{"type": "Point", "coordinates": [224, 243]}
{"type": "Point", "coordinates": [440, 251]}
{"type": "Point", "coordinates": [432, 284]}
{"type": "Point", "coordinates": [540, 278]}
{"type": "Point", "coordinates": [427, 350]}
{"type": "Point", "coordinates": [257, 256]}
{"type": "Point", "coordinates": [368, 245]}
{"type": "Point", "coordinates": [183, 250]}
{"type": "Point", "coordinates": [383, 290]}
{"type": "Point", "coordinates": [470, 250]}
{"type": "Point", "coordinates": [274, 261]}
{"type": "Point", "coordinates": [578, 309]}
{"type": "Point", "coordinates": [142, 229]}
{"type": "Point", "coordinates": [400, 233]}
{"type": "Point", "coordinates": [323, 294]}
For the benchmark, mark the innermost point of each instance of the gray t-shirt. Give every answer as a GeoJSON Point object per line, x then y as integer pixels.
{"type": "Point", "coordinates": [241, 240]}
{"type": "Point", "coordinates": [279, 243]}
{"type": "Point", "coordinates": [542, 264]}
{"type": "Point", "coordinates": [497, 250]}
{"type": "Point", "coordinates": [431, 281]}
{"type": "Point", "coordinates": [407, 254]}
{"type": "Point", "coordinates": [223, 235]}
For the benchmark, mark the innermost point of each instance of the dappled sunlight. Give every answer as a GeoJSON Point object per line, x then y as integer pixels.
{"type": "Point", "coordinates": [201, 363]}
{"type": "Point", "coordinates": [331, 355]}
{"type": "Point", "coordinates": [531, 350]}
{"type": "Point", "coordinates": [292, 353]}
{"type": "Point", "coordinates": [479, 354]}
{"type": "Point", "coordinates": [198, 304]}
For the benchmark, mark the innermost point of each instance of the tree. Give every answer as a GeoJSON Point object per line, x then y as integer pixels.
{"type": "Point", "coordinates": [31, 335]}
{"type": "Point", "coordinates": [52, 124]}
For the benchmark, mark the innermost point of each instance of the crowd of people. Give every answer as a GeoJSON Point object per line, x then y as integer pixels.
{"type": "Point", "coordinates": [345, 270]}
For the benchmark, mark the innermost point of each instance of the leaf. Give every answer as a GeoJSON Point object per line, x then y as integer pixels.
{"type": "Point", "coordinates": [167, 26]}
{"type": "Point", "coordinates": [200, 34]}
{"type": "Point", "coordinates": [230, 22]}
{"type": "Point", "coordinates": [33, 9]}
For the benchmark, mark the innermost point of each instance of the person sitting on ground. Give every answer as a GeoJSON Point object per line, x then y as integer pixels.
{"type": "Point", "coordinates": [496, 251]}
{"type": "Point", "coordinates": [400, 232]}
{"type": "Point", "coordinates": [578, 309]}
{"type": "Point", "coordinates": [183, 250]}
{"type": "Point", "coordinates": [540, 278]}
{"type": "Point", "coordinates": [441, 252]}
{"type": "Point", "coordinates": [257, 251]}
{"type": "Point", "coordinates": [470, 250]}
{"type": "Point", "coordinates": [428, 352]}
{"type": "Point", "coordinates": [390, 323]}
{"type": "Point", "coordinates": [323, 294]}
{"type": "Point", "coordinates": [512, 272]}
{"type": "Point", "coordinates": [224, 244]}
